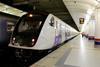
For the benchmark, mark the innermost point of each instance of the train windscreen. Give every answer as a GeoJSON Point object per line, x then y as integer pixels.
{"type": "Point", "coordinates": [27, 30]}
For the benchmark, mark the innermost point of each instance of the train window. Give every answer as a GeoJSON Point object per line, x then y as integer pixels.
{"type": "Point", "coordinates": [22, 26]}
{"type": "Point", "coordinates": [29, 24]}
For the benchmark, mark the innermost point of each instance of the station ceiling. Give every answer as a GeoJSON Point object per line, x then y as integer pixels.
{"type": "Point", "coordinates": [55, 7]}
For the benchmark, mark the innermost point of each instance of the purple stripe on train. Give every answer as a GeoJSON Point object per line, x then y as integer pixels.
{"type": "Point", "coordinates": [58, 40]}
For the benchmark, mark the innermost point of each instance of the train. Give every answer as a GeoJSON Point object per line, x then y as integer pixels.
{"type": "Point", "coordinates": [5, 23]}
{"type": "Point", "coordinates": [38, 31]}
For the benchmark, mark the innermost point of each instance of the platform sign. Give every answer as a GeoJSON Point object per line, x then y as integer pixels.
{"type": "Point", "coordinates": [81, 20]}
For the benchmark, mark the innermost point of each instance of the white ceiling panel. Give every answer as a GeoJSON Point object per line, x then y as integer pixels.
{"type": "Point", "coordinates": [80, 4]}
{"type": "Point", "coordinates": [80, 9]}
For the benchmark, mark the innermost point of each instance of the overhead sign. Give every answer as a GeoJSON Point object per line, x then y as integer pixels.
{"type": "Point", "coordinates": [81, 20]}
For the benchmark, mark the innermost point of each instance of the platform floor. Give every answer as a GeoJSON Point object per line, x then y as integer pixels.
{"type": "Point", "coordinates": [79, 52]}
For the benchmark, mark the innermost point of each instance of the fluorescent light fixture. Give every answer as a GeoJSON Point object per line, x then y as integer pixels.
{"type": "Point", "coordinates": [98, 0]}
{"type": "Point", "coordinates": [10, 10]}
{"type": "Point", "coordinates": [86, 21]}
{"type": "Point", "coordinates": [87, 18]}
{"type": "Point", "coordinates": [89, 11]}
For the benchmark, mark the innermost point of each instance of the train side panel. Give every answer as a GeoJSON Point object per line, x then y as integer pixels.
{"type": "Point", "coordinates": [53, 33]}
{"type": "Point", "coordinates": [46, 37]}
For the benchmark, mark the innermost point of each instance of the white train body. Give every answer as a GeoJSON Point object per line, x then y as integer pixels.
{"type": "Point", "coordinates": [53, 36]}
{"type": "Point", "coordinates": [53, 33]}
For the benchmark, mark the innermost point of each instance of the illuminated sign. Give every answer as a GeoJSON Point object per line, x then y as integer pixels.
{"type": "Point", "coordinates": [81, 20]}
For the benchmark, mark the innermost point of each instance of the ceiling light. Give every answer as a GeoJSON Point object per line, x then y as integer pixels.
{"type": "Point", "coordinates": [30, 15]}
{"type": "Point", "coordinates": [97, 0]}
{"type": "Point", "coordinates": [89, 11]}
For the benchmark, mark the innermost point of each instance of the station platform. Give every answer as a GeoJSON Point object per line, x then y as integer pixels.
{"type": "Point", "coordinates": [78, 52]}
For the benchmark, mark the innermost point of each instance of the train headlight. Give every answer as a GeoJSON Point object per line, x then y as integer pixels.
{"type": "Point", "coordinates": [13, 40]}
{"type": "Point", "coordinates": [33, 41]}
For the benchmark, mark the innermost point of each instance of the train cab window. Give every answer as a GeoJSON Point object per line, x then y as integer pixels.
{"type": "Point", "coordinates": [22, 26]}
{"type": "Point", "coordinates": [29, 24]}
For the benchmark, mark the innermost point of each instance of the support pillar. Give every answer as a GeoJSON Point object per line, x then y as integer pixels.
{"type": "Point", "coordinates": [97, 28]}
